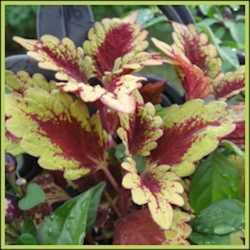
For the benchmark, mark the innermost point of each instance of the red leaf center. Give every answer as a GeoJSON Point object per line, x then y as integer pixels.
{"type": "Point", "coordinates": [150, 182]}
{"type": "Point", "coordinates": [176, 141]}
{"type": "Point", "coordinates": [76, 143]}
{"type": "Point", "coordinates": [117, 43]}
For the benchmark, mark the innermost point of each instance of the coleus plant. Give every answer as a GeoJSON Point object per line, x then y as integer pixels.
{"type": "Point", "coordinates": [93, 118]}
{"type": "Point", "coordinates": [199, 66]}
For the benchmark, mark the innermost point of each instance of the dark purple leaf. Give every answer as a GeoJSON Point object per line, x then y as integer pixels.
{"type": "Point", "coordinates": [65, 21]}
{"type": "Point", "coordinates": [23, 62]}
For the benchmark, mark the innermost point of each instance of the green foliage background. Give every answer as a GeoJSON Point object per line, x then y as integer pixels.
{"type": "Point", "coordinates": [226, 22]}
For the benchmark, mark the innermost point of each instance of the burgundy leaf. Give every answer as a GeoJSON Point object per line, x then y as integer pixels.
{"type": "Point", "coordinates": [138, 228]}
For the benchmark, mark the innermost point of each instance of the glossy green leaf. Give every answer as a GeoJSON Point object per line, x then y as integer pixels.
{"type": "Point", "coordinates": [96, 195]}
{"type": "Point", "coordinates": [205, 9]}
{"type": "Point", "coordinates": [28, 227]}
{"type": "Point", "coordinates": [231, 148]}
{"type": "Point", "coordinates": [140, 163]}
{"type": "Point", "coordinates": [230, 60]}
{"type": "Point", "coordinates": [219, 32]}
{"type": "Point", "coordinates": [216, 178]}
{"type": "Point", "coordinates": [154, 21]}
{"type": "Point", "coordinates": [208, 21]}
{"type": "Point", "coordinates": [213, 239]}
{"type": "Point", "coordinates": [26, 239]}
{"type": "Point", "coordinates": [235, 30]}
{"type": "Point", "coordinates": [222, 217]}
{"type": "Point", "coordinates": [208, 239]}
{"type": "Point", "coordinates": [144, 15]}
{"type": "Point", "coordinates": [34, 196]}
{"type": "Point", "coordinates": [120, 152]}
{"type": "Point", "coordinates": [230, 56]}
{"type": "Point", "coordinates": [160, 110]}
{"type": "Point", "coordinates": [70, 222]}
{"type": "Point", "coordinates": [235, 7]}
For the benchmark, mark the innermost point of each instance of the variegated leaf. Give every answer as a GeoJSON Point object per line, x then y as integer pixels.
{"type": "Point", "coordinates": [120, 94]}
{"type": "Point", "coordinates": [191, 131]}
{"type": "Point", "coordinates": [110, 119]}
{"type": "Point", "coordinates": [179, 231]}
{"type": "Point", "coordinates": [18, 83]}
{"type": "Point", "coordinates": [238, 135]}
{"type": "Point", "coordinates": [115, 48]}
{"type": "Point", "coordinates": [237, 113]}
{"type": "Point", "coordinates": [12, 143]}
{"type": "Point", "coordinates": [197, 49]}
{"type": "Point", "coordinates": [58, 129]}
{"type": "Point", "coordinates": [155, 186]}
{"type": "Point", "coordinates": [116, 92]}
{"type": "Point", "coordinates": [194, 80]}
{"type": "Point", "coordinates": [116, 45]}
{"type": "Point", "coordinates": [229, 84]}
{"type": "Point", "coordinates": [140, 130]}
{"type": "Point", "coordinates": [62, 56]}
{"type": "Point", "coordinates": [186, 185]}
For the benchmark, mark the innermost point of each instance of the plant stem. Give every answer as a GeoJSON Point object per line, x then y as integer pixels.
{"type": "Point", "coordinates": [10, 235]}
{"type": "Point", "coordinates": [115, 186]}
{"type": "Point", "coordinates": [111, 179]}
{"type": "Point", "coordinates": [90, 239]}
{"type": "Point", "coordinates": [111, 202]}
{"type": "Point", "coordinates": [12, 181]}
{"type": "Point", "coordinates": [11, 231]}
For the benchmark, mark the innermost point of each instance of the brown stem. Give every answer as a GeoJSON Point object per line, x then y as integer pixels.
{"type": "Point", "coordinates": [90, 239]}
{"type": "Point", "coordinates": [115, 186]}
{"type": "Point", "coordinates": [111, 179]}
{"type": "Point", "coordinates": [111, 202]}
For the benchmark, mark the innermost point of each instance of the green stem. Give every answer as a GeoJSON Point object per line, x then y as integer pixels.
{"type": "Point", "coordinates": [11, 231]}
{"type": "Point", "coordinates": [11, 236]}
{"type": "Point", "coordinates": [12, 181]}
